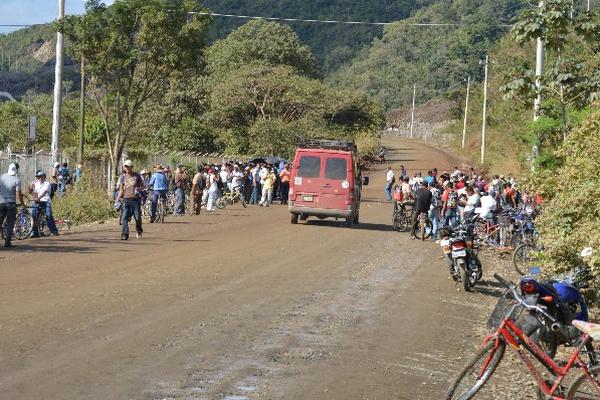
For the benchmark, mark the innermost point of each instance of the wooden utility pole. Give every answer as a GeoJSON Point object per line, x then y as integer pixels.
{"type": "Point", "coordinates": [484, 122]}
{"type": "Point", "coordinates": [464, 138]}
{"type": "Point", "coordinates": [81, 111]}
{"type": "Point", "coordinates": [58, 72]}
{"type": "Point", "coordinates": [412, 118]}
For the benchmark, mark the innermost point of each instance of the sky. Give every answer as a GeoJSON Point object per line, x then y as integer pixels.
{"type": "Point", "coordinates": [35, 11]}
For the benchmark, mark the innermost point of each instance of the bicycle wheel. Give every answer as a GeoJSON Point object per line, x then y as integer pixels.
{"type": "Point", "coordinates": [24, 225]}
{"type": "Point", "coordinates": [43, 224]}
{"type": "Point", "coordinates": [162, 210]}
{"type": "Point", "coordinates": [475, 375]}
{"type": "Point", "coordinates": [425, 228]}
{"type": "Point", "coordinates": [522, 258]}
{"type": "Point", "coordinates": [584, 387]}
{"type": "Point", "coordinates": [221, 203]}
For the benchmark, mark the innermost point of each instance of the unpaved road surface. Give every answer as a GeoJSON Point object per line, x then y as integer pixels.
{"type": "Point", "coordinates": [239, 304]}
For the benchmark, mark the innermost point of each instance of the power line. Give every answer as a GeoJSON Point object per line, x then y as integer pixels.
{"type": "Point", "coordinates": [324, 21]}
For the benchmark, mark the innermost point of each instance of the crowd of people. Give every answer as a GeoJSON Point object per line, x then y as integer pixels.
{"type": "Point", "coordinates": [258, 183]}
{"type": "Point", "coordinates": [40, 192]}
{"type": "Point", "coordinates": [453, 196]}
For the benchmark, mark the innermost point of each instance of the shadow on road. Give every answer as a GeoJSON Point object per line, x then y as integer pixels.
{"type": "Point", "coordinates": [49, 249]}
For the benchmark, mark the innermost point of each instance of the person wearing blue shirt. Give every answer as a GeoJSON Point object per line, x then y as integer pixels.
{"type": "Point", "coordinates": [430, 178]}
{"type": "Point", "coordinates": [160, 186]}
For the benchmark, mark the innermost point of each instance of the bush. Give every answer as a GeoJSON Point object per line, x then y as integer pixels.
{"type": "Point", "coordinates": [570, 221]}
{"type": "Point", "coordinates": [83, 204]}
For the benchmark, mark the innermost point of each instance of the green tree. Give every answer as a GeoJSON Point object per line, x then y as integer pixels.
{"type": "Point", "coordinates": [136, 46]}
{"type": "Point", "coordinates": [264, 43]}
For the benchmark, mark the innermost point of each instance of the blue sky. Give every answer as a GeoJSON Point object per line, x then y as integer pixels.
{"type": "Point", "coordinates": [36, 11]}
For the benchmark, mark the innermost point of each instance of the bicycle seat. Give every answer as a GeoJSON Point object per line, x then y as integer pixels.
{"type": "Point", "coordinates": [592, 330]}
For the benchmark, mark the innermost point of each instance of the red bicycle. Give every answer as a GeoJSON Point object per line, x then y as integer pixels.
{"type": "Point", "coordinates": [585, 386]}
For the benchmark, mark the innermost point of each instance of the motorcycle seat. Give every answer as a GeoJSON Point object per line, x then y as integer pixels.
{"type": "Point", "coordinates": [592, 330]}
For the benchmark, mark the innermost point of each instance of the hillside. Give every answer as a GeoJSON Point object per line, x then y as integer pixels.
{"type": "Point", "coordinates": [436, 59]}
{"type": "Point", "coordinates": [31, 50]}
{"type": "Point", "coordinates": [332, 44]}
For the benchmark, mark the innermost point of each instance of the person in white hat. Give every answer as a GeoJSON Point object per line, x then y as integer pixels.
{"type": "Point", "coordinates": [10, 190]}
{"type": "Point", "coordinates": [130, 186]}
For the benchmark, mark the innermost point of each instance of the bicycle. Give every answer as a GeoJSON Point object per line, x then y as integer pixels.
{"type": "Point", "coordinates": [522, 259]}
{"type": "Point", "coordinates": [230, 198]}
{"type": "Point", "coordinates": [424, 226]}
{"type": "Point", "coordinates": [490, 234]}
{"type": "Point", "coordinates": [483, 365]}
{"type": "Point", "coordinates": [23, 225]}
{"type": "Point", "coordinates": [161, 209]}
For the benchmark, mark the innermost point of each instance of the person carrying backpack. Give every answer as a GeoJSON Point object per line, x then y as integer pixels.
{"type": "Point", "coordinates": [449, 204]}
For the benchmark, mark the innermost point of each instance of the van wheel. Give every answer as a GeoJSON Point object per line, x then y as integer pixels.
{"type": "Point", "coordinates": [356, 218]}
{"type": "Point", "coordinates": [294, 219]}
{"type": "Point", "coordinates": [303, 217]}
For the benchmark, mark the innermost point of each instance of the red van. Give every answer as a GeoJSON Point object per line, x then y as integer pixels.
{"type": "Point", "coordinates": [325, 182]}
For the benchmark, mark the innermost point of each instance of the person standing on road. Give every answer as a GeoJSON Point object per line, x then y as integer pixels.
{"type": "Point", "coordinates": [284, 175]}
{"type": "Point", "coordinates": [389, 182]}
{"type": "Point", "coordinates": [237, 178]}
{"type": "Point", "coordinates": [198, 186]}
{"type": "Point", "coordinates": [130, 185]}
{"type": "Point", "coordinates": [449, 204]}
{"type": "Point", "coordinates": [10, 190]}
{"type": "Point", "coordinates": [422, 205]}
{"type": "Point", "coordinates": [213, 189]}
{"type": "Point", "coordinates": [181, 186]}
{"type": "Point", "coordinates": [267, 188]}
{"type": "Point", "coordinates": [41, 196]}
{"type": "Point", "coordinates": [159, 183]}
{"type": "Point", "coordinates": [256, 185]}
{"type": "Point", "coordinates": [434, 211]}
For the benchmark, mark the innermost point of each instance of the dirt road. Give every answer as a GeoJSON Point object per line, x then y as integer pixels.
{"type": "Point", "coordinates": [237, 304]}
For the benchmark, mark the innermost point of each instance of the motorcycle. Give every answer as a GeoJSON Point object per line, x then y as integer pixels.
{"type": "Point", "coordinates": [561, 297]}
{"type": "Point", "coordinates": [464, 263]}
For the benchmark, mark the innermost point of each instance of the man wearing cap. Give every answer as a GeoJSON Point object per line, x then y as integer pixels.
{"type": "Point", "coordinates": [159, 183]}
{"type": "Point", "coordinates": [10, 190]}
{"type": "Point", "coordinates": [130, 185]}
{"type": "Point", "coordinates": [40, 190]}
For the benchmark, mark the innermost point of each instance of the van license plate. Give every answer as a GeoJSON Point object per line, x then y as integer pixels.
{"type": "Point", "coordinates": [307, 198]}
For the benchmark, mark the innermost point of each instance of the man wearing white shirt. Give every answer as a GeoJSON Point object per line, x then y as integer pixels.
{"type": "Point", "coordinates": [40, 189]}
{"type": "Point", "coordinates": [488, 206]}
{"type": "Point", "coordinates": [389, 182]}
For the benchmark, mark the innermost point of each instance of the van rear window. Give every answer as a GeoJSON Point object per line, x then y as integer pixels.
{"type": "Point", "coordinates": [335, 168]}
{"type": "Point", "coordinates": [310, 167]}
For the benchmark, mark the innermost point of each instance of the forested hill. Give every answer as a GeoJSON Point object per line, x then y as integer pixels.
{"type": "Point", "coordinates": [332, 44]}
{"type": "Point", "coordinates": [436, 59]}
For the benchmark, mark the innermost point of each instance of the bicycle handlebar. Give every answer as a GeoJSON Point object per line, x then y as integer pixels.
{"type": "Point", "coordinates": [519, 299]}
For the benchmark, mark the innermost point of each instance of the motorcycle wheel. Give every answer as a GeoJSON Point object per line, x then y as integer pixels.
{"type": "Point", "coordinates": [461, 266]}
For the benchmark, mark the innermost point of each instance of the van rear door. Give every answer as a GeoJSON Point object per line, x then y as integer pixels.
{"type": "Point", "coordinates": [308, 179]}
{"type": "Point", "coordinates": [336, 188]}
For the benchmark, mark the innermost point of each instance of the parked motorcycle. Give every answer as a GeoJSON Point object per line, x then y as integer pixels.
{"type": "Point", "coordinates": [561, 297]}
{"type": "Point", "coordinates": [463, 260]}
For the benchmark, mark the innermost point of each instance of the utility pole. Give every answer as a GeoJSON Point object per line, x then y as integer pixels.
{"type": "Point", "coordinates": [58, 70]}
{"type": "Point", "coordinates": [81, 111]}
{"type": "Point", "coordinates": [539, 71]}
{"type": "Point", "coordinates": [484, 122]}
{"type": "Point", "coordinates": [412, 118]}
{"type": "Point", "coordinates": [588, 7]}
{"type": "Point", "coordinates": [464, 138]}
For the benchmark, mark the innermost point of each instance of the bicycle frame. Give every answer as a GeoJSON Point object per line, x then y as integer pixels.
{"type": "Point", "coordinates": [516, 338]}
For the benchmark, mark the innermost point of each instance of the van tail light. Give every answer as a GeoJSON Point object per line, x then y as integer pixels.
{"type": "Point", "coordinates": [528, 288]}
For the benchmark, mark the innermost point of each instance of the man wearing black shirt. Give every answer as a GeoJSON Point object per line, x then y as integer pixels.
{"type": "Point", "coordinates": [422, 205]}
